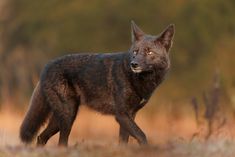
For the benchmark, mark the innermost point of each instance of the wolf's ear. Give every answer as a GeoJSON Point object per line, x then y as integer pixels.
{"type": "Point", "coordinates": [136, 32]}
{"type": "Point", "coordinates": [166, 37]}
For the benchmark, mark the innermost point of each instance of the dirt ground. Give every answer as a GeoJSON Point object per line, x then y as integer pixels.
{"type": "Point", "coordinates": [96, 135]}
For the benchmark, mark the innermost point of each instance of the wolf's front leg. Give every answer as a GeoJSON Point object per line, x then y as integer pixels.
{"type": "Point", "coordinates": [124, 134]}
{"type": "Point", "coordinates": [128, 125]}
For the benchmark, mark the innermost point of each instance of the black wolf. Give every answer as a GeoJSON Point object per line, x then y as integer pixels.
{"type": "Point", "coordinates": [113, 83]}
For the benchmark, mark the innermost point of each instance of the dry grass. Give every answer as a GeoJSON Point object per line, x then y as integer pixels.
{"type": "Point", "coordinates": [97, 135]}
{"type": "Point", "coordinates": [92, 149]}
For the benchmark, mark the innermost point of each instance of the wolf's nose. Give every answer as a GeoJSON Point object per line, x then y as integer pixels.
{"type": "Point", "coordinates": [134, 64]}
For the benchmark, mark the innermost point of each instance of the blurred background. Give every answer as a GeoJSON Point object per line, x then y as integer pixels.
{"type": "Point", "coordinates": [203, 57]}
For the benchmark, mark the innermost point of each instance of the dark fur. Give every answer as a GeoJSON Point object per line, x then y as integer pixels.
{"type": "Point", "coordinates": [119, 84]}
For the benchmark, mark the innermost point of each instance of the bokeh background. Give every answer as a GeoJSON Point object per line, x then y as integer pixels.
{"type": "Point", "coordinates": [34, 32]}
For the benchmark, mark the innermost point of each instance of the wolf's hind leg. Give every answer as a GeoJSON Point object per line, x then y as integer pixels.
{"type": "Point", "coordinates": [51, 129]}
{"type": "Point", "coordinates": [66, 116]}
{"type": "Point", "coordinates": [65, 125]}
{"type": "Point", "coordinates": [64, 104]}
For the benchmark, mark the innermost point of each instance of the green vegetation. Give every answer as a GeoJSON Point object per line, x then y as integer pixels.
{"type": "Point", "coordinates": [33, 32]}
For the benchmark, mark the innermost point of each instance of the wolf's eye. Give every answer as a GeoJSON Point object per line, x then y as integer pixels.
{"type": "Point", "coordinates": [149, 52]}
{"type": "Point", "coordinates": [135, 52]}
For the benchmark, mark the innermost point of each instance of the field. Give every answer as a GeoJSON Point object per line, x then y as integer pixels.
{"type": "Point", "coordinates": [97, 136]}
{"type": "Point", "coordinates": [192, 113]}
{"type": "Point", "coordinates": [194, 149]}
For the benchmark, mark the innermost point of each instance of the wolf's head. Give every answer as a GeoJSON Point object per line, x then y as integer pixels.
{"type": "Point", "coordinates": [150, 52]}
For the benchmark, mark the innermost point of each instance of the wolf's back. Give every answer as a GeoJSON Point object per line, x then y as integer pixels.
{"type": "Point", "coordinates": [36, 115]}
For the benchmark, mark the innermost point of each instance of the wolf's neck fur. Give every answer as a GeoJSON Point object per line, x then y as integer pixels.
{"type": "Point", "coordinates": [144, 83]}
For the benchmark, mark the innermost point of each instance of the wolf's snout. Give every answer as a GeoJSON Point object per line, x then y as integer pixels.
{"type": "Point", "coordinates": [134, 65]}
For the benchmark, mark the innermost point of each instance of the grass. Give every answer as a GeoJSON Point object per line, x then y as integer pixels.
{"type": "Point", "coordinates": [94, 135]}
{"type": "Point", "coordinates": [218, 148]}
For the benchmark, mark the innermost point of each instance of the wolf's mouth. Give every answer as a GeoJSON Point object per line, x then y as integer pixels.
{"type": "Point", "coordinates": [136, 70]}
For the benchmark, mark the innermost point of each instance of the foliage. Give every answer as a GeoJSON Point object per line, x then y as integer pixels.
{"type": "Point", "coordinates": [33, 32]}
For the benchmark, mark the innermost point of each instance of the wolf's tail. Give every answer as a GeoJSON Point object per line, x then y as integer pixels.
{"type": "Point", "coordinates": [37, 114]}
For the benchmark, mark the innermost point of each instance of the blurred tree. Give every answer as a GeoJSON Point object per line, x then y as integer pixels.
{"type": "Point", "coordinates": [33, 32]}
